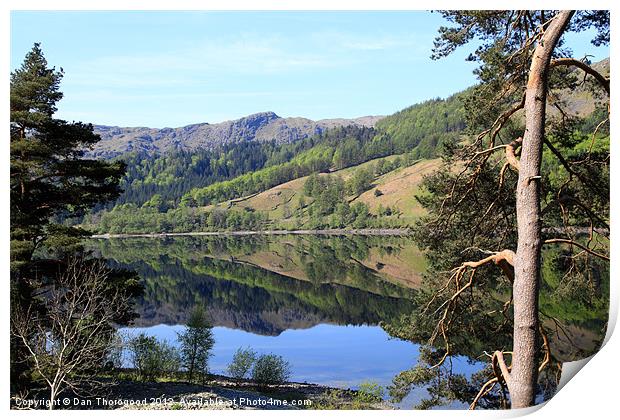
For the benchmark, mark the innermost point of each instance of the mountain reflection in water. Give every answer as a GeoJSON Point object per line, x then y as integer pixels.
{"type": "Point", "coordinates": [268, 286]}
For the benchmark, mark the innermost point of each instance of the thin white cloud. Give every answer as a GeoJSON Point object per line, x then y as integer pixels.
{"type": "Point", "coordinates": [197, 64]}
{"type": "Point", "coordinates": [105, 95]}
{"type": "Point", "coordinates": [246, 55]}
{"type": "Point", "coordinates": [409, 42]}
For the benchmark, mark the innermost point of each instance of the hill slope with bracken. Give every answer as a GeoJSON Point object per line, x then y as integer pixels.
{"type": "Point", "coordinates": [287, 204]}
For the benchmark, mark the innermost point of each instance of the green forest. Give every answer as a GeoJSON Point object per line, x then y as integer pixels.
{"type": "Point", "coordinates": [173, 192]}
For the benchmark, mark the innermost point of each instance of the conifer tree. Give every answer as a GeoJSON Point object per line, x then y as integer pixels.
{"type": "Point", "coordinates": [50, 179]}
{"type": "Point", "coordinates": [50, 182]}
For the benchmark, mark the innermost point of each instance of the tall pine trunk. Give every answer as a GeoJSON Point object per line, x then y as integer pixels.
{"type": "Point", "coordinates": [524, 374]}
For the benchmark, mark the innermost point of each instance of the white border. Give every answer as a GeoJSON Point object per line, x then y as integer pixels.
{"type": "Point", "coordinates": [592, 394]}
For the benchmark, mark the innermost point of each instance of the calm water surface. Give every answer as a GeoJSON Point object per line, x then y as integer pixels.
{"type": "Point", "coordinates": [316, 301]}
{"type": "Point", "coordinates": [334, 355]}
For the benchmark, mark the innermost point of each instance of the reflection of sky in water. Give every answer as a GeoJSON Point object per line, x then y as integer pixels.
{"type": "Point", "coordinates": [342, 356]}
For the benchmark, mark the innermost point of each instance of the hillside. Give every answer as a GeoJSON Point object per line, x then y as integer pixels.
{"type": "Point", "coordinates": [425, 127]}
{"type": "Point", "coordinates": [408, 128]}
{"type": "Point", "coordinates": [398, 188]}
{"type": "Point", "coordinates": [257, 178]}
{"type": "Point", "coordinates": [261, 127]}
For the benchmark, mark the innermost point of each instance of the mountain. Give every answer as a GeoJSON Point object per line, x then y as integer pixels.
{"type": "Point", "coordinates": [261, 127]}
{"type": "Point", "coordinates": [403, 126]}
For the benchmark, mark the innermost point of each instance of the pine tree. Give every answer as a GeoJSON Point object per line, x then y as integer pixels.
{"type": "Point", "coordinates": [50, 181]}
{"type": "Point", "coordinates": [49, 176]}
{"type": "Point", "coordinates": [496, 215]}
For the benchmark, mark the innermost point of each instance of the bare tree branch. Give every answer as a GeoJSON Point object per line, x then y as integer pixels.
{"type": "Point", "coordinates": [68, 344]}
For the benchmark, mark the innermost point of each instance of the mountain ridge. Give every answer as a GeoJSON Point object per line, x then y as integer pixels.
{"type": "Point", "coordinates": [261, 127]}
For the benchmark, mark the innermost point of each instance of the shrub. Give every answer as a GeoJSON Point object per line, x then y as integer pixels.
{"type": "Point", "coordinates": [241, 363]}
{"type": "Point", "coordinates": [333, 399]}
{"type": "Point", "coordinates": [152, 358]}
{"type": "Point", "coordinates": [114, 357]}
{"type": "Point", "coordinates": [170, 359]}
{"type": "Point", "coordinates": [271, 369]}
{"type": "Point", "coordinates": [369, 392]}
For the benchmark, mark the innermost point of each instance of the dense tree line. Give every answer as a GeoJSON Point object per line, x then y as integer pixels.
{"type": "Point", "coordinates": [325, 203]}
{"type": "Point", "coordinates": [173, 174]}
{"type": "Point", "coordinates": [128, 218]}
{"type": "Point", "coordinates": [329, 194]}
{"type": "Point", "coordinates": [426, 127]}
{"type": "Point", "coordinates": [337, 149]}
{"type": "Point", "coordinates": [332, 205]}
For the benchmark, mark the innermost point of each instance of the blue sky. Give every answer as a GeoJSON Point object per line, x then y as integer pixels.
{"type": "Point", "coordinates": [168, 69]}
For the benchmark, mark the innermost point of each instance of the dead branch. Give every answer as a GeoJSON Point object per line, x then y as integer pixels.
{"type": "Point", "coordinates": [547, 348]}
{"type": "Point", "coordinates": [484, 390]}
{"type": "Point", "coordinates": [598, 127]}
{"type": "Point", "coordinates": [499, 362]}
{"type": "Point", "coordinates": [502, 174]}
{"type": "Point", "coordinates": [502, 370]}
{"type": "Point", "coordinates": [511, 156]}
{"type": "Point", "coordinates": [503, 259]}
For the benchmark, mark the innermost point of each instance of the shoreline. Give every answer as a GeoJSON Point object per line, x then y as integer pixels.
{"type": "Point", "coordinates": [218, 392]}
{"type": "Point", "coordinates": [327, 232]}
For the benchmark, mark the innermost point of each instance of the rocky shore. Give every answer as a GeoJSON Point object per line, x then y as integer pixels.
{"type": "Point", "coordinates": [223, 393]}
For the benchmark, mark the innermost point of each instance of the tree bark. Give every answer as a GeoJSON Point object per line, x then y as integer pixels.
{"type": "Point", "coordinates": [524, 372]}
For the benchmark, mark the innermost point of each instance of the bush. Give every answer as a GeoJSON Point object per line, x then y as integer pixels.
{"type": "Point", "coordinates": [153, 358]}
{"type": "Point", "coordinates": [170, 359]}
{"type": "Point", "coordinates": [242, 362]}
{"type": "Point", "coordinates": [333, 399]}
{"type": "Point", "coordinates": [365, 398]}
{"type": "Point", "coordinates": [369, 392]}
{"type": "Point", "coordinates": [271, 369]}
{"type": "Point", "coordinates": [114, 356]}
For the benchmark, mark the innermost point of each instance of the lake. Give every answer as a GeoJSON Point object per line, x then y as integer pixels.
{"type": "Point", "coordinates": [318, 301]}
